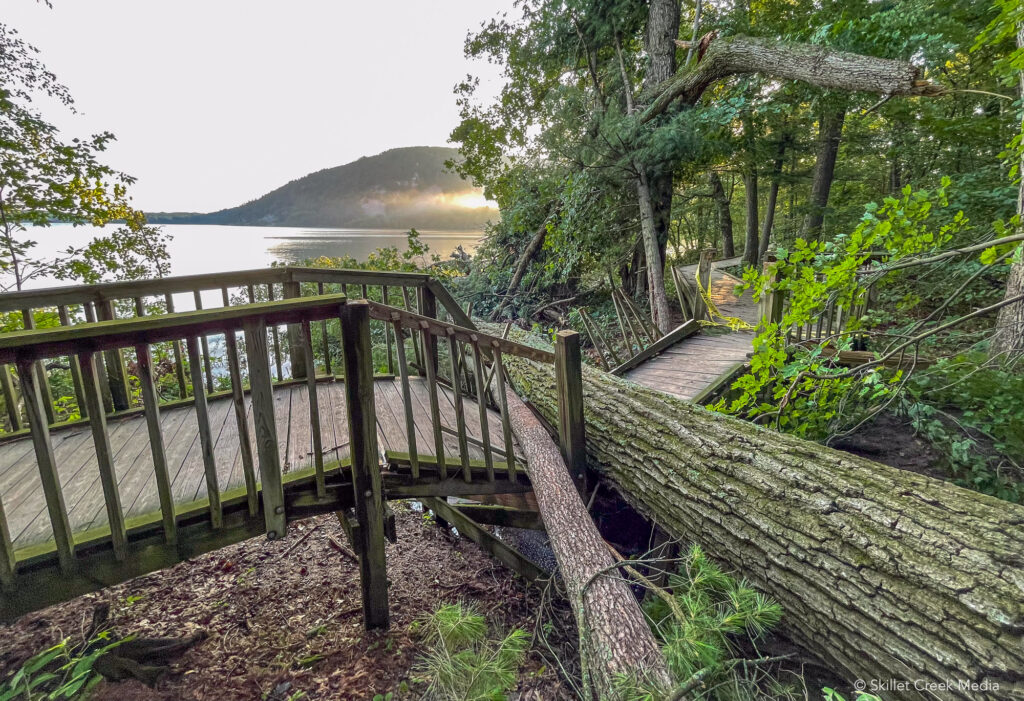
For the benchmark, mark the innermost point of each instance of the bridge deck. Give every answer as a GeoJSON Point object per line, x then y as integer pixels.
{"type": "Point", "coordinates": [77, 465]}
{"type": "Point", "coordinates": [695, 363]}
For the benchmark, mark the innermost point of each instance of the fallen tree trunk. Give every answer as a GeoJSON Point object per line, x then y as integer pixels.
{"type": "Point", "coordinates": [615, 640]}
{"type": "Point", "coordinates": [882, 573]}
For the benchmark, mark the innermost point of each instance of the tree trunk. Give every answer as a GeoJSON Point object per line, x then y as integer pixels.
{"type": "Point", "coordinates": [830, 132]}
{"type": "Point", "coordinates": [1008, 340]}
{"type": "Point", "coordinates": [615, 639]}
{"type": "Point", "coordinates": [750, 242]}
{"type": "Point", "coordinates": [884, 574]}
{"type": "Point", "coordinates": [724, 214]}
{"type": "Point", "coordinates": [773, 197]}
{"type": "Point", "coordinates": [524, 262]}
{"type": "Point", "coordinates": [655, 263]}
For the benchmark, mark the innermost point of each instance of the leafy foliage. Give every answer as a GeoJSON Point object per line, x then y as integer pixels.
{"type": "Point", "coordinates": [64, 671]}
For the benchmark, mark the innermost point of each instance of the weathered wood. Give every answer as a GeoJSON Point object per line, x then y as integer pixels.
{"type": "Point", "coordinates": [718, 386]}
{"type": "Point", "coordinates": [645, 324]}
{"type": "Point", "coordinates": [455, 363]}
{"type": "Point", "coordinates": [592, 332]}
{"type": "Point", "coordinates": [306, 343]}
{"type": "Point", "coordinates": [427, 309]}
{"type": "Point", "coordinates": [504, 553]}
{"type": "Point", "coordinates": [506, 426]}
{"type": "Point", "coordinates": [277, 337]}
{"type": "Point", "coordinates": [262, 391]}
{"type": "Point", "coordinates": [38, 425]}
{"type": "Point", "coordinates": [104, 454]}
{"type": "Point", "coordinates": [324, 336]}
{"type": "Point", "coordinates": [28, 320]}
{"type": "Point", "coordinates": [206, 442]}
{"type": "Point", "coordinates": [883, 573]}
{"type": "Point", "coordinates": [430, 351]}
{"type": "Point", "coordinates": [179, 357]}
{"type": "Point", "coordinates": [410, 421]}
{"type": "Point", "coordinates": [296, 354]}
{"type": "Point", "coordinates": [442, 295]}
{"type": "Point", "coordinates": [684, 330]}
{"type": "Point", "coordinates": [10, 398]}
{"type": "Point", "coordinates": [499, 515]}
{"type": "Point", "coordinates": [117, 375]}
{"type": "Point", "coordinates": [481, 403]}
{"type": "Point", "coordinates": [205, 347]}
{"type": "Point", "coordinates": [682, 294]}
{"type": "Point", "coordinates": [151, 402]}
{"type": "Point", "coordinates": [76, 372]}
{"type": "Point", "coordinates": [8, 564]}
{"type": "Point", "coordinates": [366, 480]}
{"type": "Point", "coordinates": [241, 420]}
{"type": "Point", "coordinates": [571, 431]}
{"type": "Point", "coordinates": [388, 330]}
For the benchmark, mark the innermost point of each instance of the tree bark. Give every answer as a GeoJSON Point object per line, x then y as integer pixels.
{"type": "Point", "coordinates": [615, 639]}
{"type": "Point", "coordinates": [724, 214]}
{"type": "Point", "coordinates": [883, 574]}
{"type": "Point", "coordinates": [773, 197]}
{"type": "Point", "coordinates": [750, 239]}
{"type": "Point", "coordinates": [1008, 341]}
{"type": "Point", "coordinates": [524, 262]}
{"type": "Point", "coordinates": [830, 132]}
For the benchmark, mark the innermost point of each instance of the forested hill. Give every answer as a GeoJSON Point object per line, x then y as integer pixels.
{"type": "Point", "coordinates": [398, 189]}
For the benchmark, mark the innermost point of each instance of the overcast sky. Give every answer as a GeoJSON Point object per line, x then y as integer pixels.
{"type": "Point", "coordinates": [215, 102]}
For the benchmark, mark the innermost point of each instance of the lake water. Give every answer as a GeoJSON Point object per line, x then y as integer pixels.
{"type": "Point", "coordinates": [196, 248]}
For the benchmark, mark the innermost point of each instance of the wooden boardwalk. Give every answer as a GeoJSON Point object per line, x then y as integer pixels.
{"type": "Point", "coordinates": [695, 363]}
{"type": "Point", "coordinates": [79, 474]}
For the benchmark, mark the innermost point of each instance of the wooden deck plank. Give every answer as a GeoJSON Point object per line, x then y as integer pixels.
{"type": "Point", "coordinates": [22, 491]}
{"type": "Point", "coordinates": [300, 435]}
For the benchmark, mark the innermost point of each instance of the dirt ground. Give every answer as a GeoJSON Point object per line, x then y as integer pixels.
{"type": "Point", "coordinates": [284, 617]}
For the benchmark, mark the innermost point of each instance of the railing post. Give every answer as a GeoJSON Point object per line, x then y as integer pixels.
{"type": "Point", "coordinates": [76, 371]}
{"type": "Point", "coordinates": [179, 357]}
{"type": "Point", "coordinates": [44, 381]}
{"type": "Point", "coordinates": [569, 382]}
{"type": "Point", "coordinates": [151, 402]}
{"type": "Point", "coordinates": [428, 307]}
{"type": "Point", "coordinates": [10, 398]}
{"type": "Point", "coordinates": [47, 464]}
{"type": "Point", "coordinates": [206, 442]}
{"type": "Point", "coordinates": [366, 480]}
{"type": "Point", "coordinates": [261, 390]}
{"type": "Point", "coordinates": [104, 454]}
{"type": "Point", "coordinates": [117, 376]}
{"type": "Point", "coordinates": [296, 353]}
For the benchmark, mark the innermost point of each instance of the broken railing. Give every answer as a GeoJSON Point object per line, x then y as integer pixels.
{"type": "Point", "coordinates": [469, 368]}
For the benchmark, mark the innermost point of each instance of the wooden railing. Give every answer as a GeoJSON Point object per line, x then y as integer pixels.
{"type": "Point", "coordinates": [68, 306]}
{"type": "Point", "coordinates": [454, 361]}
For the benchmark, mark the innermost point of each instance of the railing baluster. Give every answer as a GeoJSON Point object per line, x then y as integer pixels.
{"type": "Point", "coordinates": [428, 308]}
{"type": "Point", "coordinates": [117, 375]}
{"type": "Point", "coordinates": [205, 435]}
{"type": "Point", "coordinates": [104, 454]}
{"type": "Point", "coordinates": [28, 319]}
{"type": "Point", "coordinates": [76, 371]}
{"type": "Point", "coordinates": [481, 402]}
{"type": "Point", "coordinates": [40, 431]}
{"type": "Point", "coordinates": [179, 360]}
{"type": "Point", "coordinates": [569, 383]}
{"type": "Point", "coordinates": [262, 393]}
{"type": "Point", "coordinates": [252, 293]}
{"type": "Point", "coordinates": [456, 363]}
{"type": "Point", "coordinates": [204, 345]}
{"type": "Point", "coordinates": [366, 479]}
{"type": "Point", "coordinates": [430, 349]}
{"type": "Point", "coordinates": [151, 402]}
{"type": "Point", "coordinates": [10, 398]}
{"type": "Point", "coordinates": [387, 332]}
{"type": "Point", "coordinates": [277, 337]}
{"type": "Point", "coordinates": [403, 372]}
{"type": "Point", "coordinates": [314, 408]}
{"type": "Point", "coordinates": [238, 400]}
{"type": "Point", "coordinates": [296, 355]}
{"type": "Point", "coordinates": [506, 425]}
{"type": "Point", "coordinates": [323, 333]}
{"type": "Point", "coordinates": [8, 565]}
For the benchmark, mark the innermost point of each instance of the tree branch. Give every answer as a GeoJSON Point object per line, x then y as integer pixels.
{"type": "Point", "coordinates": [817, 65]}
